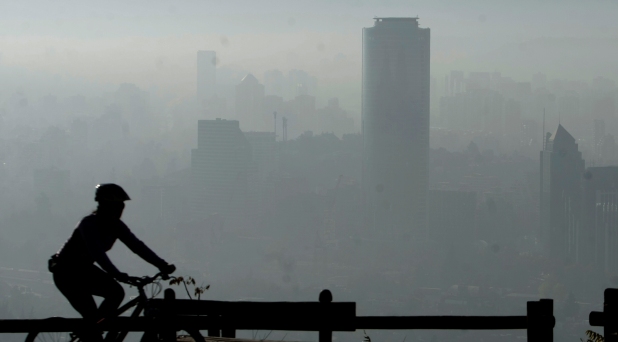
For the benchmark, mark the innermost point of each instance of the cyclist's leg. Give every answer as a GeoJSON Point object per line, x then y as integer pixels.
{"type": "Point", "coordinates": [75, 287]}
{"type": "Point", "coordinates": [104, 285]}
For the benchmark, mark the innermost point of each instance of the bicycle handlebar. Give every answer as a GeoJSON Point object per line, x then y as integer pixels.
{"type": "Point", "coordinates": [143, 281]}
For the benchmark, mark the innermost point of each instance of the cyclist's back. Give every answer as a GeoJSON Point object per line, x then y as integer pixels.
{"type": "Point", "coordinates": [94, 236]}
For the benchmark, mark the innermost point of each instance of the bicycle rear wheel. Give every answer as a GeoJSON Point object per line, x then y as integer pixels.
{"type": "Point", "coordinates": [51, 337]}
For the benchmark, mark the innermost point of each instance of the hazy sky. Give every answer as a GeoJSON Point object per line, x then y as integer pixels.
{"type": "Point", "coordinates": [153, 43]}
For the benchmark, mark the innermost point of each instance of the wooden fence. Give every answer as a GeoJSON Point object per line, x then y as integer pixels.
{"type": "Point", "coordinates": [324, 316]}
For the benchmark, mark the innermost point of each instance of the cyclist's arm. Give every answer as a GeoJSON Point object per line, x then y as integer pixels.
{"type": "Point", "coordinates": [138, 247]}
{"type": "Point", "coordinates": [97, 252]}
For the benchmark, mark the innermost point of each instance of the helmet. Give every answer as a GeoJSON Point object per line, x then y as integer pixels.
{"type": "Point", "coordinates": [110, 192]}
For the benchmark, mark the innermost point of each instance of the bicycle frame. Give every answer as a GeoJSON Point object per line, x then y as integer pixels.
{"type": "Point", "coordinates": [139, 302]}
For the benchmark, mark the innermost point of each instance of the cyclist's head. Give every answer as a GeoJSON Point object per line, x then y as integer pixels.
{"type": "Point", "coordinates": [111, 199]}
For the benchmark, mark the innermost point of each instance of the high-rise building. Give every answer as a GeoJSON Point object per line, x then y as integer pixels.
{"type": "Point", "coordinates": [206, 75]}
{"type": "Point", "coordinates": [219, 168]}
{"type": "Point", "coordinates": [606, 230]}
{"type": "Point", "coordinates": [395, 113]}
{"type": "Point", "coordinates": [599, 237]}
{"type": "Point", "coordinates": [599, 133]}
{"type": "Point", "coordinates": [250, 105]}
{"type": "Point", "coordinates": [562, 168]}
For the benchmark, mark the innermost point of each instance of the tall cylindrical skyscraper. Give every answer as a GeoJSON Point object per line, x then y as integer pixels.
{"type": "Point", "coordinates": [395, 110]}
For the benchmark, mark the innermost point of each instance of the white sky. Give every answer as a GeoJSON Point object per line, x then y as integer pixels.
{"type": "Point", "coordinates": [153, 43]}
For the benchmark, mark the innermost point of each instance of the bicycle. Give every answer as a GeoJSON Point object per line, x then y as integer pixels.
{"type": "Point", "coordinates": [141, 305]}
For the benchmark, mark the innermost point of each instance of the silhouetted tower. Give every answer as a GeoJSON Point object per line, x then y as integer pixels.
{"type": "Point", "coordinates": [285, 128]}
{"type": "Point", "coordinates": [250, 104]}
{"type": "Point", "coordinates": [562, 167]}
{"type": "Point", "coordinates": [395, 110]}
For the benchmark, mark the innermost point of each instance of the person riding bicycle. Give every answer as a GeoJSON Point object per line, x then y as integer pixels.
{"type": "Point", "coordinates": [74, 272]}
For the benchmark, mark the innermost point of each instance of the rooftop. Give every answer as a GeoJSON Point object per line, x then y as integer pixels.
{"type": "Point", "coordinates": [396, 18]}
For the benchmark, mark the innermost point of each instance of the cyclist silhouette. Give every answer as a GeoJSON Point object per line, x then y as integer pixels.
{"type": "Point", "coordinates": [73, 267]}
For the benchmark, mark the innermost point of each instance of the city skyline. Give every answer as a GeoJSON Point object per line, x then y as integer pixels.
{"type": "Point", "coordinates": [407, 165]}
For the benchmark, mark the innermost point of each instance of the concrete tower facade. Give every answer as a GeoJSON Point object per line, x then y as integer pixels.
{"type": "Point", "coordinates": [219, 168]}
{"type": "Point", "coordinates": [395, 112]}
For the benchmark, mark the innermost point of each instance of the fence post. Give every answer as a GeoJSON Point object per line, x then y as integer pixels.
{"type": "Point", "coordinates": [326, 297]}
{"type": "Point", "coordinates": [213, 332]}
{"type": "Point", "coordinates": [610, 313]}
{"type": "Point", "coordinates": [213, 317]}
{"type": "Point", "coordinates": [169, 296]}
{"type": "Point", "coordinates": [540, 312]}
{"type": "Point", "coordinates": [229, 333]}
{"type": "Point", "coordinates": [547, 311]}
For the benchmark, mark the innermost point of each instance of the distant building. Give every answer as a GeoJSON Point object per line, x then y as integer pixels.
{"type": "Point", "coordinates": [606, 230]}
{"type": "Point", "coordinates": [562, 168]}
{"type": "Point", "coordinates": [304, 112]}
{"type": "Point", "coordinates": [456, 83]}
{"type": "Point", "coordinates": [451, 215]}
{"type": "Point", "coordinates": [263, 170]}
{"type": "Point", "coordinates": [250, 104]}
{"type": "Point", "coordinates": [206, 75]}
{"type": "Point", "coordinates": [395, 113]}
{"type": "Point", "coordinates": [301, 83]}
{"type": "Point", "coordinates": [219, 168]}
{"type": "Point", "coordinates": [600, 218]}
{"type": "Point", "coordinates": [599, 133]}
{"type": "Point", "coordinates": [264, 156]}
{"type": "Point", "coordinates": [539, 80]}
{"type": "Point", "coordinates": [333, 118]}
{"type": "Point", "coordinates": [496, 216]}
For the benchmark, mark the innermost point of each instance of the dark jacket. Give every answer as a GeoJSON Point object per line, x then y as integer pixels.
{"type": "Point", "coordinates": [93, 237]}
